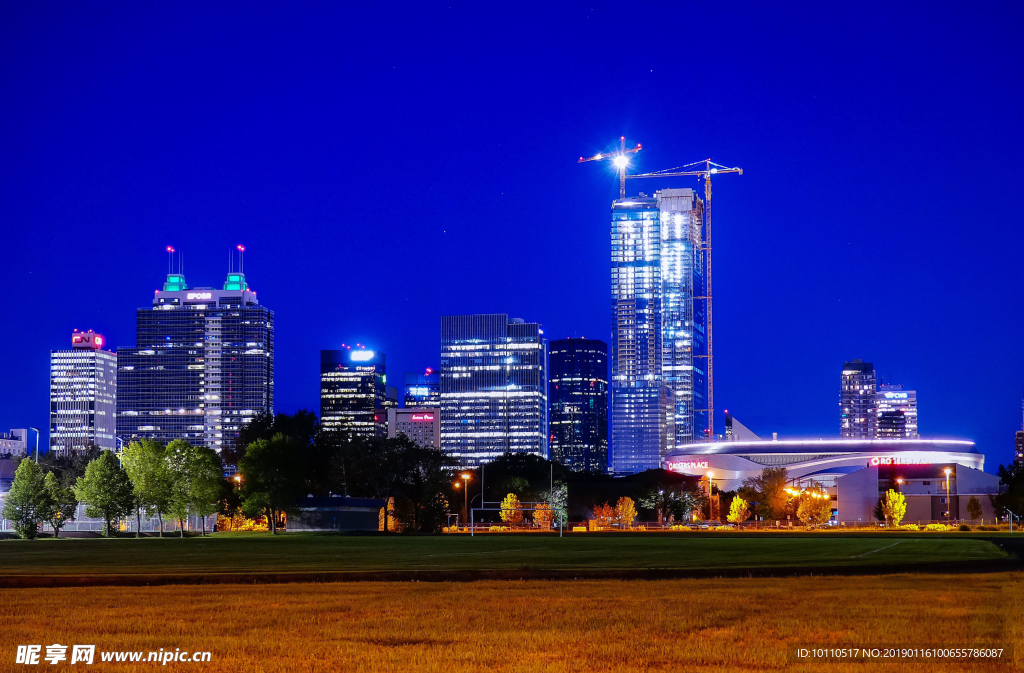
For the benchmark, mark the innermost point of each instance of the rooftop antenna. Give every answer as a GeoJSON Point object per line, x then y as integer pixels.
{"type": "Point", "coordinates": [241, 258]}
{"type": "Point", "coordinates": [170, 258]}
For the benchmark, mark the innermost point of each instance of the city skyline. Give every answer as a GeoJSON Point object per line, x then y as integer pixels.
{"type": "Point", "coordinates": [288, 147]}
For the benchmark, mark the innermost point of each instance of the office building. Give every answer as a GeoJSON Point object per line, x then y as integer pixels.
{"type": "Point", "coordinates": [202, 366]}
{"type": "Point", "coordinates": [83, 395]}
{"type": "Point", "coordinates": [421, 425]}
{"type": "Point", "coordinates": [858, 415]}
{"type": "Point", "coordinates": [896, 412]}
{"type": "Point", "coordinates": [353, 392]}
{"type": "Point", "coordinates": [423, 390]}
{"type": "Point", "coordinates": [578, 403]}
{"type": "Point", "coordinates": [1018, 446]}
{"type": "Point", "coordinates": [14, 443]}
{"type": "Point", "coordinates": [493, 388]}
{"type": "Point", "coordinates": [659, 357]}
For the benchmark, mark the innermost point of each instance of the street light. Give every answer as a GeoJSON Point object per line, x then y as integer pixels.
{"type": "Point", "coordinates": [899, 485]}
{"type": "Point", "coordinates": [465, 480]}
{"type": "Point", "coordinates": [711, 503]}
{"type": "Point", "coordinates": [949, 501]}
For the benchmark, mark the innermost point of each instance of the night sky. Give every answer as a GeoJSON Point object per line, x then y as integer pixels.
{"type": "Point", "coordinates": [386, 166]}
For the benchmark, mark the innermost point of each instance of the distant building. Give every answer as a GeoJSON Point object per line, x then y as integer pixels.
{"type": "Point", "coordinates": [896, 412]}
{"type": "Point", "coordinates": [202, 366]}
{"type": "Point", "coordinates": [578, 403]}
{"type": "Point", "coordinates": [353, 396]}
{"type": "Point", "coordinates": [83, 395]}
{"type": "Point", "coordinates": [493, 388]}
{"type": "Point", "coordinates": [736, 431]}
{"type": "Point", "coordinates": [1018, 446]}
{"type": "Point", "coordinates": [858, 416]}
{"type": "Point", "coordinates": [423, 390]}
{"type": "Point", "coordinates": [336, 514]}
{"type": "Point", "coordinates": [421, 425]}
{"type": "Point", "coordinates": [14, 443]}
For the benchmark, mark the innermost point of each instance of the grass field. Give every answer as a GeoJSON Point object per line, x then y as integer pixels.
{"type": "Point", "coordinates": [563, 626]}
{"type": "Point", "coordinates": [256, 552]}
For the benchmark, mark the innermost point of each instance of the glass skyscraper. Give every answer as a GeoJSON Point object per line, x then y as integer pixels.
{"type": "Point", "coordinates": [83, 395]}
{"type": "Point", "coordinates": [578, 403]}
{"type": "Point", "coordinates": [493, 388]}
{"type": "Point", "coordinates": [858, 415]}
{"type": "Point", "coordinates": [659, 374]}
{"type": "Point", "coordinates": [202, 366]}
{"type": "Point", "coordinates": [353, 392]}
{"type": "Point", "coordinates": [423, 390]}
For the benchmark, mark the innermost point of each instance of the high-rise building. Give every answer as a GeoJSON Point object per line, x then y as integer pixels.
{"type": "Point", "coordinates": [858, 415]}
{"type": "Point", "coordinates": [421, 425]}
{"type": "Point", "coordinates": [659, 355]}
{"type": "Point", "coordinates": [83, 395]}
{"type": "Point", "coordinates": [493, 388]}
{"type": "Point", "coordinates": [896, 412]}
{"type": "Point", "coordinates": [202, 366]}
{"type": "Point", "coordinates": [353, 392]}
{"type": "Point", "coordinates": [423, 390]}
{"type": "Point", "coordinates": [578, 403]}
{"type": "Point", "coordinates": [1018, 446]}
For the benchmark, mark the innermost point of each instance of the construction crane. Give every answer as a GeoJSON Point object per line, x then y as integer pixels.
{"type": "Point", "coordinates": [620, 159]}
{"type": "Point", "coordinates": [706, 170]}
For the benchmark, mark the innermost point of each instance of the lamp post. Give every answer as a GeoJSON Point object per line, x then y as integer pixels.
{"type": "Point", "coordinates": [711, 503]}
{"type": "Point", "coordinates": [899, 485]}
{"type": "Point", "coordinates": [949, 499]}
{"type": "Point", "coordinates": [465, 487]}
{"type": "Point", "coordinates": [37, 444]}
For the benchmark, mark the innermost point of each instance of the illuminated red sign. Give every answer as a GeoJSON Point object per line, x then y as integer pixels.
{"type": "Point", "coordinates": [895, 460]}
{"type": "Point", "coordinates": [423, 417]}
{"type": "Point", "coordinates": [689, 465]}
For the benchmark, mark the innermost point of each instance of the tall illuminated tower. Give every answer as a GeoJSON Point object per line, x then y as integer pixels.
{"type": "Point", "coordinates": [659, 380]}
{"type": "Point", "coordinates": [83, 395]}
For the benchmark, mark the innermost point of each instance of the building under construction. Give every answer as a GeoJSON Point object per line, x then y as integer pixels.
{"type": "Point", "coordinates": [659, 346]}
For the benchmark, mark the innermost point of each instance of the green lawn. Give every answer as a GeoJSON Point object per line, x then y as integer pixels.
{"type": "Point", "coordinates": [256, 552]}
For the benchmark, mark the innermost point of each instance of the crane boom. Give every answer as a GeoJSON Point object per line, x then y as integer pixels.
{"type": "Point", "coordinates": [620, 159]}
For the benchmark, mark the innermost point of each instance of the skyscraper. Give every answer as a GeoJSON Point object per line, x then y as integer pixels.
{"type": "Point", "coordinates": [896, 412]}
{"type": "Point", "coordinates": [423, 390]}
{"type": "Point", "coordinates": [353, 392]}
{"type": "Point", "coordinates": [858, 415]}
{"type": "Point", "coordinates": [659, 372]}
{"type": "Point", "coordinates": [578, 403]}
{"type": "Point", "coordinates": [83, 395]}
{"type": "Point", "coordinates": [493, 388]}
{"type": "Point", "coordinates": [202, 366]}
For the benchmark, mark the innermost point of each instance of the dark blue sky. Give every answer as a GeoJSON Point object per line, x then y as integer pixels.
{"type": "Point", "coordinates": [385, 167]}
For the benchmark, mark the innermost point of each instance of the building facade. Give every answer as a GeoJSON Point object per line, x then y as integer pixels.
{"type": "Point", "coordinates": [353, 392]}
{"type": "Point", "coordinates": [422, 425]}
{"type": "Point", "coordinates": [858, 415]}
{"type": "Point", "coordinates": [83, 395]}
{"type": "Point", "coordinates": [578, 403]}
{"type": "Point", "coordinates": [14, 443]}
{"type": "Point", "coordinates": [202, 366]}
{"type": "Point", "coordinates": [659, 382]}
{"type": "Point", "coordinates": [423, 390]}
{"type": "Point", "coordinates": [493, 388]}
{"type": "Point", "coordinates": [896, 412]}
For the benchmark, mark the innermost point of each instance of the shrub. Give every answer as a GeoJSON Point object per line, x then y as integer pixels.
{"type": "Point", "coordinates": [936, 527]}
{"type": "Point", "coordinates": [964, 527]}
{"type": "Point", "coordinates": [910, 526]}
{"type": "Point", "coordinates": [988, 528]}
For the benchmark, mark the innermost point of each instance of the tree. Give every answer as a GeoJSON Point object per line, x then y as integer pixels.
{"type": "Point", "coordinates": [543, 515]}
{"type": "Point", "coordinates": [814, 507]}
{"type": "Point", "coordinates": [106, 490]}
{"type": "Point", "coordinates": [271, 479]}
{"type": "Point", "coordinates": [625, 512]}
{"type": "Point", "coordinates": [739, 510]}
{"type": "Point", "coordinates": [196, 474]}
{"type": "Point", "coordinates": [152, 482]}
{"type": "Point", "coordinates": [974, 508]}
{"type": "Point", "coordinates": [768, 492]}
{"type": "Point", "coordinates": [558, 499]}
{"type": "Point", "coordinates": [59, 504]}
{"type": "Point", "coordinates": [511, 509]}
{"type": "Point", "coordinates": [68, 466]}
{"type": "Point", "coordinates": [603, 515]}
{"type": "Point", "coordinates": [894, 507]}
{"type": "Point", "coordinates": [1012, 498]}
{"type": "Point", "coordinates": [25, 500]}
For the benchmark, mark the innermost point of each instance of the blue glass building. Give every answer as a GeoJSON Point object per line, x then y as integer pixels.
{"type": "Point", "coordinates": [658, 377]}
{"type": "Point", "coordinates": [202, 366]}
{"type": "Point", "coordinates": [578, 403]}
{"type": "Point", "coordinates": [493, 388]}
{"type": "Point", "coordinates": [353, 392]}
{"type": "Point", "coordinates": [423, 390]}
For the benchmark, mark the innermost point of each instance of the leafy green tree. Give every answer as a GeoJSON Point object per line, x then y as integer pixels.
{"type": "Point", "coordinates": [272, 480]}
{"type": "Point", "coordinates": [146, 464]}
{"type": "Point", "coordinates": [894, 506]}
{"type": "Point", "coordinates": [511, 509]}
{"type": "Point", "coordinates": [68, 466]}
{"type": "Point", "coordinates": [428, 473]}
{"type": "Point", "coordinates": [974, 508]}
{"type": "Point", "coordinates": [558, 499]}
{"type": "Point", "coordinates": [24, 503]}
{"type": "Point", "coordinates": [196, 476]}
{"type": "Point", "coordinates": [59, 504]}
{"type": "Point", "coordinates": [106, 490]}
{"type": "Point", "coordinates": [768, 492]}
{"type": "Point", "coordinates": [739, 510]}
{"type": "Point", "coordinates": [1012, 498]}
{"type": "Point", "coordinates": [814, 507]}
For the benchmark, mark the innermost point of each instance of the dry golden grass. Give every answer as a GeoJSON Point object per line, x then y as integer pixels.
{"type": "Point", "coordinates": [677, 625]}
